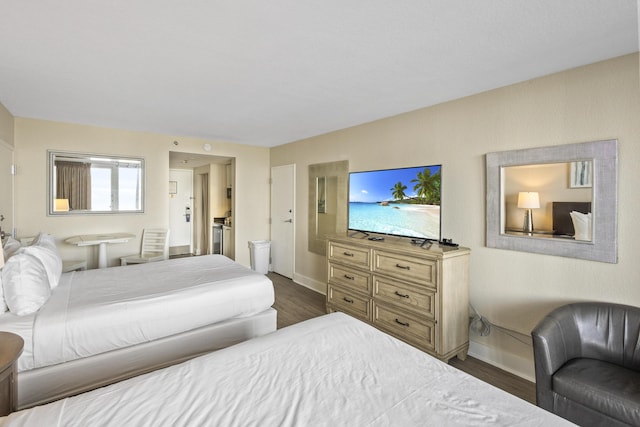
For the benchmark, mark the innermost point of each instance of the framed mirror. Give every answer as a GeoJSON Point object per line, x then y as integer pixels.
{"type": "Point", "coordinates": [81, 183]}
{"type": "Point", "coordinates": [328, 192]}
{"type": "Point", "coordinates": [559, 200]}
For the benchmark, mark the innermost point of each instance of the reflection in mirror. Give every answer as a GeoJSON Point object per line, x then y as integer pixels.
{"type": "Point", "coordinates": [575, 213]}
{"type": "Point", "coordinates": [328, 189]}
{"type": "Point", "coordinates": [321, 192]}
{"type": "Point", "coordinates": [551, 200]}
{"type": "Point", "coordinates": [94, 183]}
{"type": "Point", "coordinates": [326, 216]}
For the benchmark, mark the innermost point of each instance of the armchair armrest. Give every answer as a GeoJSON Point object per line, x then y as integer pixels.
{"type": "Point", "coordinates": [556, 340]}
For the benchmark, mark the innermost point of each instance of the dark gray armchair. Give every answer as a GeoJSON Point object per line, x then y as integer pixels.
{"type": "Point", "coordinates": [587, 363]}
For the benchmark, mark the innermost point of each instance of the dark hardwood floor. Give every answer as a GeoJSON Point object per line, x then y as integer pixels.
{"type": "Point", "coordinates": [296, 303]}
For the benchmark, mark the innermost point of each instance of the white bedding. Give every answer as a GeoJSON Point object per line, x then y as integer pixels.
{"type": "Point", "coordinates": [23, 326]}
{"type": "Point", "coordinates": [137, 304]}
{"type": "Point", "coordinates": [332, 370]}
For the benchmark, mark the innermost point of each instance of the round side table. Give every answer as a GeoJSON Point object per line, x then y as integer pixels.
{"type": "Point", "coordinates": [10, 349]}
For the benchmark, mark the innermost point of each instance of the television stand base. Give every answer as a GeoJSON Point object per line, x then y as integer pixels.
{"type": "Point", "coordinates": [356, 232]}
{"type": "Point", "coordinates": [422, 242]}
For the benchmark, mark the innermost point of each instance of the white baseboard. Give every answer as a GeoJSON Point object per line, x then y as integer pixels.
{"type": "Point", "coordinates": [307, 282]}
{"type": "Point", "coordinates": [512, 363]}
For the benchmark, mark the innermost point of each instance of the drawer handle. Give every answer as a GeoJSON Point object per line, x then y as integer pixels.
{"type": "Point", "coordinates": [347, 254]}
{"type": "Point", "coordinates": [402, 323]}
{"type": "Point", "coordinates": [347, 276]}
{"type": "Point", "coordinates": [401, 295]}
{"type": "Point", "coordinates": [350, 301]}
{"type": "Point", "coordinates": [404, 267]}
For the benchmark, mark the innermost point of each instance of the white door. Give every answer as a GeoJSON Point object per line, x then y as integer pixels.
{"type": "Point", "coordinates": [6, 187]}
{"type": "Point", "coordinates": [180, 204]}
{"type": "Point", "coordinates": [283, 191]}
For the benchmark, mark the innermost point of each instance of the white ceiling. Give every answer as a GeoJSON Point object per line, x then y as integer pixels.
{"type": "Point", "coordinates": [270, 72]}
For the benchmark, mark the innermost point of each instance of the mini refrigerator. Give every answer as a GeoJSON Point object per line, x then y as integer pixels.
{"type": "Point", "coordinates": [216, 238]}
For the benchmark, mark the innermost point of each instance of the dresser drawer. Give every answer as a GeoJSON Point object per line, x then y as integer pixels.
{"type": "Point", "coordinates": [405, 267]}
{"type": "Point", "coordinates": [350, 278]}
{"type": "Point", "coordinates": [355, 305]}
{"type": "Point", "coordinates": [406, 295]}
{"type": "Point", "coordinates": [357, 256]}
{"type": "Point", "coordinates": [416, 331]}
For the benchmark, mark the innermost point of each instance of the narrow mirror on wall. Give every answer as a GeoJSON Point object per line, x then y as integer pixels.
{"type": "Point", "coordinates": [328, 191]}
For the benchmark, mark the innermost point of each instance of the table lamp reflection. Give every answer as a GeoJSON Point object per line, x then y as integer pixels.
{"type": "Point", "coordinates": [61, 205]}
{"type": "Point", "coordinates": [528, 200]}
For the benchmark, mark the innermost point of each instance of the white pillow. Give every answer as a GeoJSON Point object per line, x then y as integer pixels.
{"type": "Point", "coordinates": [26, 283]}
{"type": "Point", "coordinates": [10, 247]}
{"type": "Point", "coordinates": [50, 261]}
{"type": "Point", "coordinates": [582, 225]}
{"type": "Point", "coordinates": [44, 240]}
{"type": "Point", "coordinates": [44, 248]}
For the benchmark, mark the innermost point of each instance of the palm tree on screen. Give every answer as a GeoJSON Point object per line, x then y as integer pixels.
{"type": "Point", "coordinates": [427, 186]}
{"type": "Point", "coordinates": [398, 191]}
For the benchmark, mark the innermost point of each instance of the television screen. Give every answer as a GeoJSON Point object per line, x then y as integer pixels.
{"type": "Point", "coordinates": [402, 202]}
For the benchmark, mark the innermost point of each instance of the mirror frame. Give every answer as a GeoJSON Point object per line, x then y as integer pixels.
{"type": "Point", "coordinates": [51, 155]}
{"type": "Point", "coordinates": [339, 169]}
{"type": "Point", "coordinates": [604, 244]}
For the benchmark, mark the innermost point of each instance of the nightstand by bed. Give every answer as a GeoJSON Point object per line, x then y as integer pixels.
{"type": "Point", "coordinates": [10, 349]}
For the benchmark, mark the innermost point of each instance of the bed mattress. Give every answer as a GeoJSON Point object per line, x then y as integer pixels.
{"type": "Point", "coordinates": [136, 304]}
{"type": "Point", "coordinates": [329, 371]}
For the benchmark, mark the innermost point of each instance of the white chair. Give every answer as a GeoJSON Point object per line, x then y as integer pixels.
{"type": "Point", "coordinates": [155, 247]}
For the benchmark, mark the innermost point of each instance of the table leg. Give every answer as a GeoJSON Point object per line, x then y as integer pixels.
{"type": "Point", "coordinates": [102, 255]}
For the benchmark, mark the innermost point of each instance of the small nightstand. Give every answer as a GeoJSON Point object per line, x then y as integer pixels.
{"type": "Point", "coordinates": [10, 349]}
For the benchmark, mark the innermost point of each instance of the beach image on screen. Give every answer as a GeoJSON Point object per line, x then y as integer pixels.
{"type": "Point", "coordinates": [404, 202]}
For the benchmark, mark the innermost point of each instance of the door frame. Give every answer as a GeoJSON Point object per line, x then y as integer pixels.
{"type": "Point", "coordinates": [9, 223]}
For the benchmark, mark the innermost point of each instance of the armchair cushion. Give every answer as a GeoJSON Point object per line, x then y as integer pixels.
{"type": "Point", "coordinates": [605, 387]}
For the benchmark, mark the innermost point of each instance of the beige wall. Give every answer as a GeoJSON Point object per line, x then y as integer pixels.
{"type": "Point", "coordinates": [6, 125]}
{"type": "Point", "coordinates": [34, 137]}
{"type": "Point", "coordinates": [512, 289]}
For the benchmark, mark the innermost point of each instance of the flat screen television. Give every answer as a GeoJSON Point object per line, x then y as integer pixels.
{"type": "Point", "coordinates": [401, 202]}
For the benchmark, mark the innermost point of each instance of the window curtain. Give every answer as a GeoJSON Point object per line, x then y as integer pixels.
{"type": "Point", "coordinates": [73, 182]}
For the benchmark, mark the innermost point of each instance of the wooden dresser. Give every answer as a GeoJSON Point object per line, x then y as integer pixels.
{"type": "Point", "coordinates": [419, 295]}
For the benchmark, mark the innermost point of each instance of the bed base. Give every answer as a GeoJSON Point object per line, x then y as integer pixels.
{"type": "Point", "coordinates": [42, 385]}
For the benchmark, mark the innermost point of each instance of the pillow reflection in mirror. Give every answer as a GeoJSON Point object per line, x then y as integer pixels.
{"type": "Point", "coordinates": [581, 225]}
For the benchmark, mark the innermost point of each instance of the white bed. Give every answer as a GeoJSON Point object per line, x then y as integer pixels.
{"type": "Point", "coordinates": [108, 324]}
{"type": "Point", "coordinates": [333, 370]}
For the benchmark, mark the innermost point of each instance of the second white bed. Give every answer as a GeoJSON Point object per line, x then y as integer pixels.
{"type": "Point", "coordinates": [329, 371]}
